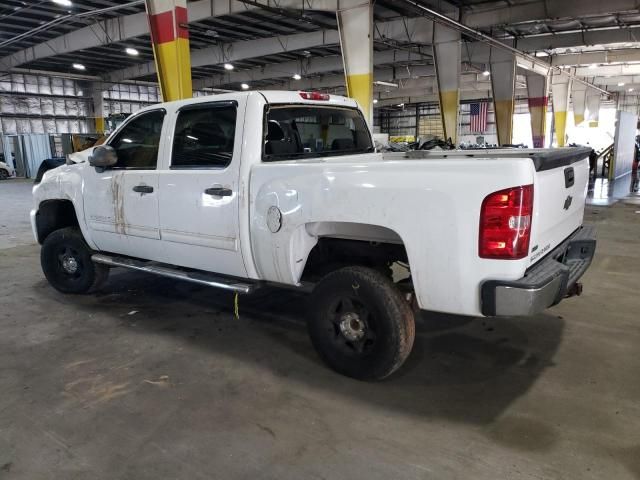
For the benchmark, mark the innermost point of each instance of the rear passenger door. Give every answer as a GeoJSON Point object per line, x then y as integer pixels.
{"type": "Point", "coordinates": [199, 192]}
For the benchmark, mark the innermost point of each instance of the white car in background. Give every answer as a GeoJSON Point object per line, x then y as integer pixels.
{"type": "Point", "coordinates": [6, 171]}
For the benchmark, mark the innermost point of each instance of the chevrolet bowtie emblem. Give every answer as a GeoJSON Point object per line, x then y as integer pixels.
{"type": "Point", "coordinates": [567, 202]}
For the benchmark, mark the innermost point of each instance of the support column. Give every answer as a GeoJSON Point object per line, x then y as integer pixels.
{"type": "Point", "coordinates": [538, 98]}
{"type": "Point", "coordinates": [579, 98]}
{"type": "Point", "coordinates": [447, 57]}
{"type": "Point", "coordinates": [503, 84]}
{"type": "Point", "coordinates": [560, 87]}
{"type": "Point", "coordinates": [98, 106]}
{"type": "Point", "coordinates": [355, 25]}
{"type": "Point", "coordinates": [593, 107]}
{"type": "Point", "coordinates": [170, 39]}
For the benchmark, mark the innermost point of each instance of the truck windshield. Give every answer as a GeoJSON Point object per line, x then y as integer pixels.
{"type": "Point", "coordinates": [302, 131]}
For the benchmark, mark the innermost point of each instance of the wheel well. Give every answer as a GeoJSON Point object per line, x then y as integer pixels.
{"type": "Point", "coordinates": [53, 215]}
{"type": "Point", "coordinates": [332, 253]}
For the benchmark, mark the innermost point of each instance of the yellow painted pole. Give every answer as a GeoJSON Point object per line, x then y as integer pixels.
{"type": "Point", "coordinates": [355, 26]}
{"type": "Point", "coordinates": [538, 99]}
{"type": "Point", "coordinates": [560, 88]}
{"type": "Point", "coordinates": [579, 98]}
{"type": "Point", "coordinates": [503, 83]}
{"type": "Point", "coordinates": [168, 25]}
{"type": "Point", "coordinates": [447, 60]}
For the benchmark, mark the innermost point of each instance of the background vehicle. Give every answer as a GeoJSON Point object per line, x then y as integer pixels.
{"type": "Point", "coordinates": [241, 190]}
{"type": "Point", "coordinates": [6, 171]}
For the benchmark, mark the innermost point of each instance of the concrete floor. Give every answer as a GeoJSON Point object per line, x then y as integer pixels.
{"type": "Point", "coordinates": [153, 379]}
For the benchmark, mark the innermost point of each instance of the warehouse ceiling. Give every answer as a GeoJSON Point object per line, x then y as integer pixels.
{"type": "Point", "coordinates": [46, 36]}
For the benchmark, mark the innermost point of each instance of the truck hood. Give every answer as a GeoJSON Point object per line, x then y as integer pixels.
{"type": "Point", "coordinates": [79, 157]}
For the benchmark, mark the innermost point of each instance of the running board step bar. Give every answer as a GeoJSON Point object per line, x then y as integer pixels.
{"type": "Point", "coordinates": [193, 276]}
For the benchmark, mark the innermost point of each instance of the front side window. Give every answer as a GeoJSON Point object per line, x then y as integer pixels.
{"type": "Point", "coordinates": [138, 142]}
{"type": "Point", "coordinates": [308, 132]}
{"type": "Point", "coordinates": [204, 137]}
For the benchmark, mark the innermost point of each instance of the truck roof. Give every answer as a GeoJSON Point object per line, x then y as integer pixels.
{"type": "Point", "coordinates": [271, 96]}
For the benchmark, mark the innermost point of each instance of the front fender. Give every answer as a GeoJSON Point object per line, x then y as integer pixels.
{"type": "Point", "coordinates": [63, 183]}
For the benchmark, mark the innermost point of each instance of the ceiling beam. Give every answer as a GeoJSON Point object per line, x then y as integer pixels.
{"type": "Point", "coordinates": [513, 13]}
{"type": "Point", "coordinates": [126, 27]}
{"type": "Point", "coordinates": [421, 97]}
{"type": "Point", "coordinates": [311, 66]}
{"type": "Point", "coordinates": [623, 55]}
{"type": "Point", "coordinates": [403, 30]}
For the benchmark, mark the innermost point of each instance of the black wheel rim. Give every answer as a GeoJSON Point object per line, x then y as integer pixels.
{"type": "Point", "coordinates": [352, 327]}
{"type": "Point", "coordinates": [69, 262]}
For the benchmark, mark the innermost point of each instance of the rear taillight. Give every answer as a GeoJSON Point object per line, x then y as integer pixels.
{"type": "Point", "coordinates": [314, 95]}
{"type": "Point", "coordinates": [505, 223]}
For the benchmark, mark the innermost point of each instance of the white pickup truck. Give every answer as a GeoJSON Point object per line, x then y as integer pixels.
{"type": "Point", "coordinates": [241, 190]}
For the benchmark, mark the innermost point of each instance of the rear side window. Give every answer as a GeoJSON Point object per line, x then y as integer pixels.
{"type": "Point", "coordinates": [293, 132]}
{"type": "Point", "coordinates": [204, 137]}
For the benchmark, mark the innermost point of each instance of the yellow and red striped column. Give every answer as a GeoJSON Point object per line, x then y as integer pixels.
{"type": "Point", "coordinates": [355, 25]}
{"type": "Point", "coordinates": [447, 60]}
{"type": "Point", "coordinates": [538, 98]}
{"type": "Point", "coordinates": [560, 87]}
{"type": "Point", "coordinates": [168, 24]}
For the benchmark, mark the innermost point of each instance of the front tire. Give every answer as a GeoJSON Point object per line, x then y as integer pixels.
{"type": "Point", "coordinates": [4, 174]}
{"type": "Point", "coordinates": [360, 324]}
{"type": "Point", "coordinates": [66, 262]}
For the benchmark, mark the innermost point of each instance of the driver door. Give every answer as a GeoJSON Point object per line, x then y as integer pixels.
{"type": "Point", "coordinates": [121, 202]}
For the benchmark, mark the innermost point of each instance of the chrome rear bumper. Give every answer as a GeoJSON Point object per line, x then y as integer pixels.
{"type": "Point", "coordinates": [544, 284]}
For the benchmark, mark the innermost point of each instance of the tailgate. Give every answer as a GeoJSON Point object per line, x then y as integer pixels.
{"type": "Point", "coordinates": [560, 189]}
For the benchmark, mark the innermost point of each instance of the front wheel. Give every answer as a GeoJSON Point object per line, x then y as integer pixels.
{"type": "Point", "coordinates": [4, 174]}
{"type": "Point", "coordinates": [66, 262]}
{"type": "Point", "coordinates": [360, 324]}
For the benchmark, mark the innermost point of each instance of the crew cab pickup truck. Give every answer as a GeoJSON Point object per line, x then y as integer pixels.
{"type": "Point", "coordinates": [241, 190]}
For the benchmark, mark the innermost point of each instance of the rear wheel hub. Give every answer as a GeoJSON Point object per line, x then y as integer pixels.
{"type": "Point", "coordinates": [352, 327]}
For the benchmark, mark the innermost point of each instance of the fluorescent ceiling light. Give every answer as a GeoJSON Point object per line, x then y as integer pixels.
{"type": "Point", "coordinates": [375, 100]}
{"type": "Point", "coordinates": [79, 66]}
{"type": "Point", "coordinates": [131, 51]}
{"type": "Point", "coordinates": [64, 3]}
{"type": "Point", "coordinates": [228, 66]}
{"type": "Point", "coordinates": [542, 54]}
{"type": "Point", "coordinates": [245, 86]}
{"type": "Point", "coordinates": [486, 73]}
{"type": "Point", "coordinates": [386, 84]}
{"type": "Point", "coordinates": [297, 76]}
{"type": "Point", "coordinates": [593, 65]}
{"type": "Point", "coordinates": [621, 84]}
{"type": "Point", "coordinates": [630, 90]}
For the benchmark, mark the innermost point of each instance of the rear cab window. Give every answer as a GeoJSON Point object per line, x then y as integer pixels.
{"type": "Point", "coordinates": [308, 131]}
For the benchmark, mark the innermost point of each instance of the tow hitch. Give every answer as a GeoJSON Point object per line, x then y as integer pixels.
{"type": "Point", "coordinates": [575, 290]}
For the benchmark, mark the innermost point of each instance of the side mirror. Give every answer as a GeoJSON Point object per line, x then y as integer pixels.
{"type": "Point", "coordinates": [103, 156]}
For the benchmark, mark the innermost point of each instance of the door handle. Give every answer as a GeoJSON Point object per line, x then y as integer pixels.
{"type": "Point", "coordinates": [569, 177]}
{"type": "Point", "coordinates": [143, 189]}
{"type": "Point", "coordinates": [219, 191]}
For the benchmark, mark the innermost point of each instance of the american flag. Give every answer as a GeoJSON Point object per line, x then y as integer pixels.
{"type": "Point", "coordinates": [479, 117]}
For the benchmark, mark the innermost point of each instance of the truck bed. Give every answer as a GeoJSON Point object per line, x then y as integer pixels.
{"type": "Point", "coordinates": [543, 158]}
